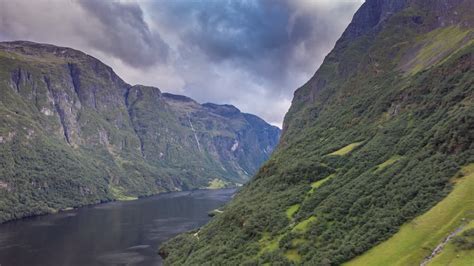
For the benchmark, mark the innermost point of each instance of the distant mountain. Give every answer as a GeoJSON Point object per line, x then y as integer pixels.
{"type": "Point", "coordinates": [73, 133]}
{"type": "Point", "coordinates": [382, 133]}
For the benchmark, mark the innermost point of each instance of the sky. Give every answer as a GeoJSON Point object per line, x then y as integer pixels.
{"type": "Point", "coordinates": [250, 53]}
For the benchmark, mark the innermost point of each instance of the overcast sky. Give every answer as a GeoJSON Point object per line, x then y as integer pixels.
{"type": "Point", "coordinates": [252, 54]}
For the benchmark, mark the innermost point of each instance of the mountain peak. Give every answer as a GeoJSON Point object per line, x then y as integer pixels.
{"type": "Point", "coordinates": [176, 97]}
{"type": "Point", "coordinates": [222, 109]}
{"type": "Point", "coordinates": [370, 15]}
{"type": "Point", "coordinates": [42, 49]}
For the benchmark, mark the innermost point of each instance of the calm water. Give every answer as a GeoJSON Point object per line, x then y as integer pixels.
{"type": "Point", "coordinates": [117, 233]}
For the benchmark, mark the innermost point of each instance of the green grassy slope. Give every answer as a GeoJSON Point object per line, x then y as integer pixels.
{"type": "Point", "coordinates": [418, 238]}
{"type": "Point", "coordinates": [413, 130]}
{"type": "Point", "coordinates": [453, 253]}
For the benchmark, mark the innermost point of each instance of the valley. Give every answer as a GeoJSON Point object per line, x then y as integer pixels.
{"type": "Point", "coordinates": [373, 164]}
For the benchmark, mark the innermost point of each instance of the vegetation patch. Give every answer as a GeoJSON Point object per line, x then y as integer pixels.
{"type": "Point", "coordinates": [465, 240]}
{"type": "Point", "coordinates": [436, 45]}
{"type": "Point", "coordinates": [217, 184]}
{"type": "Point", "coordinates": [292, 210]}
{"type": "Point", "coordinates": [293, 255]}
{"type": "Point", "coordinates": [418, 238]}
{"type": "Point", "coordinates": [459, 251]}
{"type": "Point", "coordinates": [303, 225]}
{"type": "Point", "coordinates": [347, 149]}
{"type": "Point", "coordinates": [298, 241]}
{"type": "Point", "coordinates": [268, 244]}
{"type": "Point", "coordinates": [119, 194]}
{"type": "Point", "coordinates": [318, 183]}
{"type": "Point", "coordinates": [388, 162]}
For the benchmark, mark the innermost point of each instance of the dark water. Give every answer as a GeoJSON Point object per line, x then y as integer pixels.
{"type": "Point", "coordinates": [117, 233]}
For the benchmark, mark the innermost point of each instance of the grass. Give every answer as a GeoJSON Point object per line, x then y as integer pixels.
{"type": "Point", "coordinates": [119, 194]}
{"type": "Point", "coordinates": [437, 45]}
{"type": "Point", "coordinates": [418, 238]}
{"type": "Point", "coordinates": [293, 255]}
{"type": "Point", "coordinates": [303, 225]}
{"type": "Point", "coordinates": [269, 244]}
{"type": "Point", "coordinates": [450, 255]}
{"type": "Point", "coordinates": [298, 241]}
{"type": "Point", "coordinates": [292, 210]}
{"type": "Point", "coordinates": [216, 184]}
{"type": "Point", "coordinates": [388, 162]}
{"type": "Point", "coordinates": [347, 149]}
{"type": "Point", "coordinates": [318, 183]}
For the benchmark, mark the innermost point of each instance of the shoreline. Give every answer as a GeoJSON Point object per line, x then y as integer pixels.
{"type": "Point", "coordinates": [73, 208]}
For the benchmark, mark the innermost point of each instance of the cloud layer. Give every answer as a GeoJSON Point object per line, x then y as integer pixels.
{"type": "Point", "coordinates": [252, 54]}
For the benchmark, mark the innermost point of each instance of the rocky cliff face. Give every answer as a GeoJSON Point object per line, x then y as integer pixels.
{"type": "Point", "coordinates": [72, 133]}
{"type": "Point", "coordinates": [205, 140]}
{"type": "Point", "coordinates": [371, 141]}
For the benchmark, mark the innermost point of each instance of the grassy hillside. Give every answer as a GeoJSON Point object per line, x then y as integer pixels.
{"type": "Point", "coordinates": [418, 238]}
{"type": "Point", "coordinates": [456, 252]}
{"type": "Point", "coordinates": [369, 143]}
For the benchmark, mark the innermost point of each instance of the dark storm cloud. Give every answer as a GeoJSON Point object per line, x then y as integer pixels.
{"type": "Point", "coordinates": [126, 35]}
{"type": "Point", "coordinates": [239, 30]}
{"type": "Point", "coordinates": [260, 36]}
{"type": "Point", "coordinates": [272, 46]}
{"type": "Point", "coordinates": [113, 28]}
{"type": "Point", "coordinates": [250, 53]}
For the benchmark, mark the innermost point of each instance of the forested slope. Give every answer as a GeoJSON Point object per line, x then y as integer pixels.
{"type": "Point", "coordinates": [374, 139]}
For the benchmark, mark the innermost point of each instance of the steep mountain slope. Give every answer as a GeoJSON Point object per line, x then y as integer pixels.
{"type": "Point", "coordinates": [371, 141]}
{"type": "Point", "coordinates": [73, 133]}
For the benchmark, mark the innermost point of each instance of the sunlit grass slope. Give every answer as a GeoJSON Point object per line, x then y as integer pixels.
{"type": "Point", "coordinates": [452, 255]}
{"type": "Point", "coordinates": [418, 238]}
{"type": "Point", "coordinates": [345, 150]}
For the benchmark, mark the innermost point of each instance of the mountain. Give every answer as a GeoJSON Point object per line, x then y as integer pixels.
{"type": "Point", "coordinates": [382, 133]}
{"type": "Point", "coordinates": [73, 133]}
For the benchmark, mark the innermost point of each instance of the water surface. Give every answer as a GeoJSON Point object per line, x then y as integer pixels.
{"type": "Point", "coordinates": [116, 233]}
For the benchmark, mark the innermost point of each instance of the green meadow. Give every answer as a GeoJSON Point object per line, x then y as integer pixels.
{"type": "Point", "coordinates": [345, 150]}
{"type": "Point", "coordinates": [418, 238]}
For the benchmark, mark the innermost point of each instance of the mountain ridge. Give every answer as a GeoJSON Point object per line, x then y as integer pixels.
{"type": "Point", "coordinates": [72, 132]}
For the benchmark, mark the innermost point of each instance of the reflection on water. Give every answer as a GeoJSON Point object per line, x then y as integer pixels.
{"type": "Point", "coordinates": [116, 233]}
